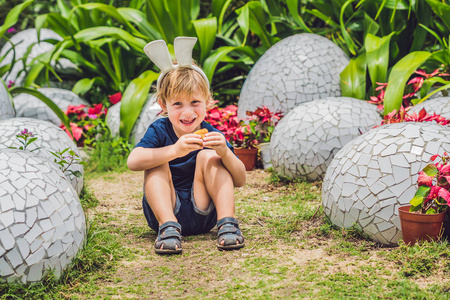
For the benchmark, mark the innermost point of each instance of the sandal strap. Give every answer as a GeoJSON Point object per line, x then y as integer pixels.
{"type": "Point", "coordinates": [228, 228]}
{"type": "Point", "coordinates": [229, 220]}
{"type": "Point", "coordinates": [170, 224]}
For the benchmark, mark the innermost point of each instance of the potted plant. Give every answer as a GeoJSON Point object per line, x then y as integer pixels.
{"type": "Point", "coordinates": [423, 219]}
{"type": "Point", "coordinates": [237, 133]}
{"type": "Point", "coordinates": [262, 122]}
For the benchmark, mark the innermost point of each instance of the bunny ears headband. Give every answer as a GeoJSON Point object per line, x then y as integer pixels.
{"type": "Point", "coordinates": [158, 53]}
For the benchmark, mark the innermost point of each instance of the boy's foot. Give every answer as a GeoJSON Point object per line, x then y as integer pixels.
{"type": "Point", "coordinates": [169, 238]}
{"type": "Point", "coordinates": [229, 236]}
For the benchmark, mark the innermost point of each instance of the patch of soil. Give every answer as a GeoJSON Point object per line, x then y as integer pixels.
{"type": "Point", "coordinates": [202, 268]}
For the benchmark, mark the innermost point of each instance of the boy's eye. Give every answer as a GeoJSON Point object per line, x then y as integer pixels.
{"type": "Point", "coordinates": [195, 101]}
{"type": "Point", "coordinates": [176, 103]}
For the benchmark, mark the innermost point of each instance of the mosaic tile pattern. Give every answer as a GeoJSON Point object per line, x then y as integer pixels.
{"type": "Point", "coordinates": [29, 106]}
{"type": "Point", "coordinates": [376, 173]}
{"type": "Point", "coordinates": [50, 138]}
{"type": "Point", "coordinates": [42, 224]}
{"type": "Point", "coordinates": [298, 69]}
{"type": "Point", "coordinates": [149, 113]}
{"type": "Point", "coordinates": [6, 108]}
{"type": "Point", "coordinates": [305, 141]}
{"type": "Point", "coordinates": [440, 106]}
{"type": "Point", "coordinates": [23, 40]}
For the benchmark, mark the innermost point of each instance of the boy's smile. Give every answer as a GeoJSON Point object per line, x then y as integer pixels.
{"type": "Point", "coordinates": [186, 115]}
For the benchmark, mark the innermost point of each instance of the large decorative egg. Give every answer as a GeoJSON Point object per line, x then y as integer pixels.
{"type": "Point", "coordinates": [298, 69]}
{"type": "Point", "coordinates": [376, 173]}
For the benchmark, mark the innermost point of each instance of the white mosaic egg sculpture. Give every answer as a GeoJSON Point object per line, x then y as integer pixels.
{"type": "Point", "coordinates": [376, 173]}
{"type": "Point", "coordinates": [440, 106]}
{"type": "Point", "coordinates": [29, 106]}
{"type": "Point", "coordinates": [305, 141]}
{"type": "Point", "coordinates": [49, 138]}
{"type": "Point", "coordinates": [42, 224]}
{"type": "Point", "coordinates": [22, 40]}
{"type": "Point", "coordinates": [149, 113]}
{"type": "Point", "coordinates": [6, 108]}
{"type": "Point", "coordinates": [298, 69]}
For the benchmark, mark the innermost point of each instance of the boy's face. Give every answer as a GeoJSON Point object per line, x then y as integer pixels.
{"type": "Point", "coordinates": [185, 114]}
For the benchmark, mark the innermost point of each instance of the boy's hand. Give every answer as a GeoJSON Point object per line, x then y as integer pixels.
{"type": "Point", "coordinates": [216, 141]}
{"type": "Point", "coordinates": [188, 143]}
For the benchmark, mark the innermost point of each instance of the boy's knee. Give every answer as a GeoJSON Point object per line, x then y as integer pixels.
{"type": "Point", "coordinates": [208, 157]}
{"type": "Point", "coordinates": [162, 170]}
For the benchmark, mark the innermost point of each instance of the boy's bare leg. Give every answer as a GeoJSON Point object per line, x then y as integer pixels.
{"type": "Point", "coordinates": [160, 193]}
{"type": "Point", "coordinates": [213, 182]}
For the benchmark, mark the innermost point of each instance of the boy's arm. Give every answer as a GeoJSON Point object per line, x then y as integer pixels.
{"type": "Point", "coordinates": [141, 159]}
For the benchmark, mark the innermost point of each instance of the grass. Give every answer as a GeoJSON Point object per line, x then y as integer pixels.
{"type": "Point", "coordinates": [292, 251]}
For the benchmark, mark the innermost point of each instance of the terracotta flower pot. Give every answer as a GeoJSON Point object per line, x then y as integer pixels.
{"type": "Point", "coordinates": [247, 156]}
{"type": "Point", "coordinates": [419, 227]}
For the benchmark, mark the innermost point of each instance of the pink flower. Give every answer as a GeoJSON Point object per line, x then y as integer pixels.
{"type": "Point", "coordinates": [77, 131]}
{"type": "Point", "coordinates": [11, 30]}
{"type": "Point", "coordinates": [424, 179]}
{"type": "Point", "coordinates": [11, 84]}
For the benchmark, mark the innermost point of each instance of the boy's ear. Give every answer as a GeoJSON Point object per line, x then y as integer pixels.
{"type": "Point", "coordinates": [163, 106]}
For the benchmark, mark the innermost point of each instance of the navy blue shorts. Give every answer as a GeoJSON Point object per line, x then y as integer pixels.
{"type": "Point", "coordinates": [192, 220]}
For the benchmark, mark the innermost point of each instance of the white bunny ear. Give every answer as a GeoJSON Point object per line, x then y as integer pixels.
{"type": "Point", "coordinates": [183, 46]}
{"type": "Point", "coordinates": [159, 54]}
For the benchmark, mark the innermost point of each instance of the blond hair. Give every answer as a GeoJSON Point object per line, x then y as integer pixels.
{"type": "Point", "coordinates": [183, 81]}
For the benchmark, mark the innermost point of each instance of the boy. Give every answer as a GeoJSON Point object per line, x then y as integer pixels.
{"type": "Point", "coordinates": [188, 180]}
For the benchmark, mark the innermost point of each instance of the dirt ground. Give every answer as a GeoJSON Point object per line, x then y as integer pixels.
{"type": "Point", "coordinates": [202, 269]}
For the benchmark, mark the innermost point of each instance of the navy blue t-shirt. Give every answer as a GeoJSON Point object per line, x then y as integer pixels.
{"type": "Point", "coordinates": [160, 134]}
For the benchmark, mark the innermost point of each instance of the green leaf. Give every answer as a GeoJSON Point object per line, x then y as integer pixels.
{"type": "Point", "coordinates": [398, 78]}
{"type": "Point", "coordinates": [347, 37]}
{"type": "Point", "coordinates": [256, 22]}
{"type": "Point", "coordinates": [293, 10]}
{"type": "Point", "coordinates": [442, 10]}
{"type": "Point", "coordinates": [430, 211]}
{"type": "Point", "coordinates": [377, 57]}
{"type": "Point", "coordinates": [84, 85]}
{"type": "Point", "coordinates": [61, 115]}
{"type": "Point", "coordinates": [139, 19]}
{"type": "Point", "coordinates": [219, 8]}
{"type": "Point", "coordinates": [431, 170]}
{"type": "Point", "coordinates": [421, 193]}
{"type": "Point", "coordinates": [53, 21]}
{"type": "Point", "coordinates": [353, 78]}
{"type": "Point", "coordinates": [206, 32]}
{"type": "Point", "coordinates": [244, 21]}
{"type": "Point", "coordinates": [210, 64]}
{"type": "Point", "coordinates": [159, 19]}
{"type": "Point", "coordinates": [445, 87]}
{"type": "Point", "coordinates": [90, 34]}
{"type": "Point", "coordinates": [110, 11]}
{"type": "Point", "coordinates": [133, 100]}
{"type": "Point", "coordinates": [13, 16]}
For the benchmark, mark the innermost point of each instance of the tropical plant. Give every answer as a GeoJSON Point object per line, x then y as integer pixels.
{"type": "Point", "coordinates": [403, 116]}
{"type": "Point", "coordinates": [236, 132]}
{"type": "Point", "coordinates": [262, 122]}
{"type": "Point", "coordinates": [433, 194]}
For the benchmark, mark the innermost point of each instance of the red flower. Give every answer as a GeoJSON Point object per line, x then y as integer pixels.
{"type": "Point", "coordinates": [115, 98]}
{"type": "Point", "coordinates": [96, 110]}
